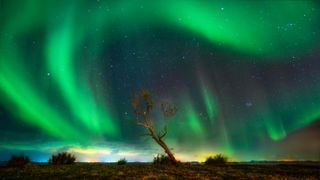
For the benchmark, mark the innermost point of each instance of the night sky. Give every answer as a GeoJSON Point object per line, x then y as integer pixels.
{"type": "Point", "coordinates": [245, 76]}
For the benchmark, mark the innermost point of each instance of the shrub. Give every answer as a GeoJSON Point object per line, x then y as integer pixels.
{"type": "Point", "coordinates": [217, 159]}
{"type": "Point", "coordinates": [62, 158]}
{"type": "Point", "coordinates": [122, 161]}
{"type": "Point", "coordinates": [18, 161]}
{"type": "Point", "coordinates": [162, 159]}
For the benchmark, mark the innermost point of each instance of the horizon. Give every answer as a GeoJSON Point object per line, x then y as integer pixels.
{"type": "Point", "coordinates": [243, 75]}
{"type": "Point", "coordinates": [198, 162]}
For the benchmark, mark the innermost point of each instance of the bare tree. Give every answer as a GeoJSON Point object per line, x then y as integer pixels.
{"type": "Point", "coordinates": [143, 104]}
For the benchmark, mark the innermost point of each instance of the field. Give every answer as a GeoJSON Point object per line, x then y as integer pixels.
{"type": "Point", "coordinates": [149, 171]}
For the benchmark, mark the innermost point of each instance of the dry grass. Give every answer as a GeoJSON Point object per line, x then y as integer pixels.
{"type": "Point", "coordinates": [149, 171]}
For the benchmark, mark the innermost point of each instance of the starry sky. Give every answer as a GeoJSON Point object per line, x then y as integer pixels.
{"type": "Point", "coordinates": [245, 76]}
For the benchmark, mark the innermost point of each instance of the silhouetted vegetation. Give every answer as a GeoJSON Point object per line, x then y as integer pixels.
{"type": "Point", "coordinates": [217, 159]}
{"type": "Point", "coordinates": [142, 104]}
{"type": "Point", "coordinates": [62, 158]}
{"type": "Point", "coordinates": [162, 159]}
{"type": "Point", "coordinates": [122, 161]}
{"type": "Point", "coordinates": [18, 161]}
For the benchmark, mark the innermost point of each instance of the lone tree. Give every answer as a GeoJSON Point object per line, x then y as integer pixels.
{"type": "Point", "coordinates": [143, 104]}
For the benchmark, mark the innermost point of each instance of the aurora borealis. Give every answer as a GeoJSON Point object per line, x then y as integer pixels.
{"type": "Point", "coordinates": [245, 76]}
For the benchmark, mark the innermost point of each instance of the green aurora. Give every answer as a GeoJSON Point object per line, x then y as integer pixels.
{"type": "Point", "coordinates": [58, 79]}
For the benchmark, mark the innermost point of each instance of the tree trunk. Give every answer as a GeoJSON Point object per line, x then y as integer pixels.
{"type": "Point", "coordinates": [166, 150]}
{"type": "Point", "coordinates": [164, 146]}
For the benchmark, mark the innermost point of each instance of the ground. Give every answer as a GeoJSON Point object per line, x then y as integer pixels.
{"type": "Point", "coordinates": [149, 171]}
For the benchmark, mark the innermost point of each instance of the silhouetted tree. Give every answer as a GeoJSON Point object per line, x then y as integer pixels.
{"type": "Point", "coordinates": [143, 104]}
{"type": "Point", "coordinates": [122, 161]}
{"type": "Point", "coordinates": [18, 161]}
{"type": "Point", "coordinates": [217, 159]}
{"type": "Point", "coordinates": [62, 158]}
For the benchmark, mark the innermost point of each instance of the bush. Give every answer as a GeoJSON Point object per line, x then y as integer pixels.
{"type": "Point", "coordinates": [162, 159]}
{"type": "Point", "coordinates": [62, 158]}
{"type": "Point", "coordinates": [217, 159]}
{"type": "Point", "coordinates": [122, 161]}
{"type": "Point", "coordinates": [18, 161]}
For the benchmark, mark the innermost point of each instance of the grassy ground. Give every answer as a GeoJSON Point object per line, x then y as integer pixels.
{"type": "Point", "coordinates": [149, 171]}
